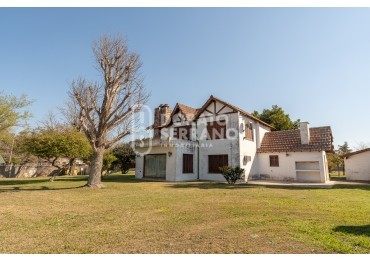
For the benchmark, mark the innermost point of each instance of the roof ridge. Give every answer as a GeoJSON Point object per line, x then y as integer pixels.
{"type": "Point", "coordinates": [180, 104]}
{"type": "Point", "coordinates": [232, 106]}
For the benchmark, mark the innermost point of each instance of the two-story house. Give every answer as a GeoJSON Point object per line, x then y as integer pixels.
{"type": "Point", "coordinates": [192, 144]}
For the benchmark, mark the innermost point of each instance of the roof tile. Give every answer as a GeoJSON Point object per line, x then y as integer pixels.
{"type": "Point", "coordinates": [290, 141]}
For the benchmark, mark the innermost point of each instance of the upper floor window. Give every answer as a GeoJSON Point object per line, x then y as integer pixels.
{"type": "Point", "coordinates": [249, 131]}
{"type": "Point", "coordinates": [182, 132]}
{"type": "Point", "coordinates": [216, 130]}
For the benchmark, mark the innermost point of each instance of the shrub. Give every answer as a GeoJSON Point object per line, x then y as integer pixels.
{"type": "Point", "coordinates": [231, 174]}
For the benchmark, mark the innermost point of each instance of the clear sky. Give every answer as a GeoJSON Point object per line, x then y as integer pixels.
{"type": "Point", "coordinates": [314, 63]}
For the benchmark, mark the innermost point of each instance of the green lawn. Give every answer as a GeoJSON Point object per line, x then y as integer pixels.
{"type": "Point", "coordinates": [131, 216]}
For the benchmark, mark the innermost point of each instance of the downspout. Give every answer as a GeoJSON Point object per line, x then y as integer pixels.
{"type": "Point", "coordinates": [197, 140]}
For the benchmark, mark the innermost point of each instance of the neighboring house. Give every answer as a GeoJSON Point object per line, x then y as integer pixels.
{"type": "Point", "coordinates": [357, 165]}
{"type": "Point", "coordinates": [191, 144]}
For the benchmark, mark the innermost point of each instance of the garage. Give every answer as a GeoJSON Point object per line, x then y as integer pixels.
{"type": "Point", "coordinates": [155, 166]}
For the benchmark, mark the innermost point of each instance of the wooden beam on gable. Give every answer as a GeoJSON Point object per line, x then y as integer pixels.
{"type": "Point", "coordinates": [220, 109]}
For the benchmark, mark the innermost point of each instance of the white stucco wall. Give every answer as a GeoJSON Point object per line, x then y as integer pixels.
{"type": "Point", "coordinates": [249, 148]}
{"type": "Point", "coordinates": [357, 167]}
{"type": "Point", "coordinates": [170, 161]}
{"type": "Point", "coordinates": [215, 147]}
{"type": "Point", "coordinates": [185, 148]}
{"type": "Point", "coordinates": [261, 130]}
{"type": "Point", "coordinates": [287, 166]}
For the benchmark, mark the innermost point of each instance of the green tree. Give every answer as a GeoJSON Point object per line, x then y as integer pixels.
{"type": "Point", "coordinates": [334, 161]}
{"type": "Point", "coordinates": [12, 111]}
{"type": "Point", "coordinates": [53, 144]}
{"type": "Point", "coordinates": [344, 149]}
{"type": "Point", "coordinates": [125, 157]}
{"type": "Point", "coordinates": [277, 118]}
{"type": "Point", "coordinates": [108, 160]}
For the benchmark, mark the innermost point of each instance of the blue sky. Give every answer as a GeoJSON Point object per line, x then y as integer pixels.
{"type": "Point", "coordinates": [313, 62]}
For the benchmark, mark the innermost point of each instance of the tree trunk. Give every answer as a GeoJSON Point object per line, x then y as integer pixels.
{"type": "Point", "coordinates": [94, 180]}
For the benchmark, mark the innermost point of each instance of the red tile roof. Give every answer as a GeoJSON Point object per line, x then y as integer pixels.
{"type": "Point", "coordinates": [189, 112]}
{"type": "Point", "coordinates": [357, 152]}
{"type": "Point", "coordinates": [290, 141]}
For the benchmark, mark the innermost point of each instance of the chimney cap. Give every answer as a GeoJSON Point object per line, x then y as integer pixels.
{"type": "Point", "coordinates": [304, 123]}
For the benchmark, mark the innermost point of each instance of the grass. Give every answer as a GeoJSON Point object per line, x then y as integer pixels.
{"type": "Point", "coordinates": [337, 175]}
{"type": "Point", "coordinates": [132, 216]}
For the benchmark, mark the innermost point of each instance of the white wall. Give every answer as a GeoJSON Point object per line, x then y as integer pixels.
{"type": "Point", "coordinates": [221, 146]}
{"type": "Point", "coordinates": [357, 167]}
{"type": "Point", "coordinates": [186, 148]}
{"type": "Point", "coordinates": [248, 147]}
{"type": "Point", "coordinates": [170, 161]}
{"type": "Point", "coordinates": [287, 165]}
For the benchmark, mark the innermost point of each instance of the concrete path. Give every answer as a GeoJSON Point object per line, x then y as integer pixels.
{"type": "Point", "coordinates": [327, 185]}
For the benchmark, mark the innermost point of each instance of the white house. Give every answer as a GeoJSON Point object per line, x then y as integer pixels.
{"type": "Point", "coordinates": [191, 144]}
{"type": "Point", "coordinates": [357, 165]}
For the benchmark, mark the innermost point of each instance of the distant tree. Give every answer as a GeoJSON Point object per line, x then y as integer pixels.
{"type": "Point", "coordinates": [12, 112]}
{"type": "Point", "coordinates": [106, 110]}
{"type": "Point", "coordinates": [277, 118]}
{"type": "Point", "coordinates": [125, 157]}
{"type": "Point", "coordinates": [344, 149]}
{"type": "Point", "coordinates": [53, 144]}
{"type": "Point", "coordinates": [335, 161]}
{"type": "Point", "coordinates": [361, 146]}
{"type": "Point", "coordinates": [108, 160]}
{"type": "Point", "coordinates": [11, 149]}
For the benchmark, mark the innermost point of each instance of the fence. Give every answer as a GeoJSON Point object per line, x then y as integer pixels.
{"type": "Point", "coordinates": [36, 170]}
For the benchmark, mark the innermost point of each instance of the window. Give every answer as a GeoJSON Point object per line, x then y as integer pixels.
{"type": "Point", "coordinates": [274, 160]}
{"type": "Point", "coordinates": [182, 132]}
{"type": "Point", "coordinates": [187, 163]}
{"type": "Point", "coordinates": [249, 131]}
{"type": "Point", "coordinates": [216, 130]}
{"type": "Point", "coordinates": [217, 161]}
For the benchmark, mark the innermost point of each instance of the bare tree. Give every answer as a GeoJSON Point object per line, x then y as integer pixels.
{"type": "Point", "coordinates": [361, 146]}
{"type": "Point", "coordinates": [105, 111]}
{"type": "Point", "coordinates": [50, 121]}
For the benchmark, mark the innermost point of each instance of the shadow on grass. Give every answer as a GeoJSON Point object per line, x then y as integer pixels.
{"type": "Point", "coordinates": [354, 230]}
{"type": "Point", "coordinates": [208, 185]}
{"type": "Point", "coordinates": [21, 184]}
{"type": "Point", "coordinates": [41, 188]}
{"type": "Point", "coordinates": [352, 186]}
{"type": "Point", "coordinates": [123, 178]}
{"type": "Point", "coordinates": [36, 180]}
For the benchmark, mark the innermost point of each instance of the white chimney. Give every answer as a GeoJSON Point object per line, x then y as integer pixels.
{"type": "Point", "coordinates": [304, 129]}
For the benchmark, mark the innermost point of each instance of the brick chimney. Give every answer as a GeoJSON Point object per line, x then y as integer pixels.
{"type": "Point", "coordinates": [161, 115]}
{"type": "Point", "coordinates": [304, 129]}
